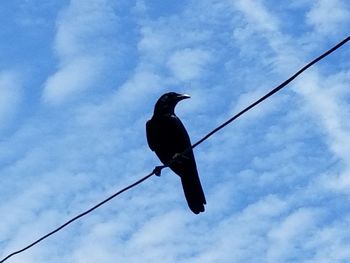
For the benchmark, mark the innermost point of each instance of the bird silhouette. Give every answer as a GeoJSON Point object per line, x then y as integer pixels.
{"type": "Point", "coordinates": [168, 138]}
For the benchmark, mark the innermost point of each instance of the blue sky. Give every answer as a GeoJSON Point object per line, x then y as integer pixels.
{"type": "Point", "coordinates": [78, 81]}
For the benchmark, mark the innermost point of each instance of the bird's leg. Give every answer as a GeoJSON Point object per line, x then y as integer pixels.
{"type": "Point", "coordinates": [158, 170]}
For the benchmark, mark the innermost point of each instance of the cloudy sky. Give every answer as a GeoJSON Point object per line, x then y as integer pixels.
{"type": "Point", "coordinates": [78, 81]}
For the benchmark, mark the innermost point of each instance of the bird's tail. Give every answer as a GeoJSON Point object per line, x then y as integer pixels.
{"type": "Point", "coordinates": [194, 193]}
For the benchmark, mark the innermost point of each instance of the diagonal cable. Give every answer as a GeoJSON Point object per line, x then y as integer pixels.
{"type": "Point", "coordinates": [158, 169]}
{"type": "Point", "coordinates": [78, 216]}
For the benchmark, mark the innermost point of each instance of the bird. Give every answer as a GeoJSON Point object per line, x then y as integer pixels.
{"type": "Point", "coordinates": [168, 138]}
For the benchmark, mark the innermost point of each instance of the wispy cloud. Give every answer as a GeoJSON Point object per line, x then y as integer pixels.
{"type": "Point", "coordinates": [272, 178]}
{"type": "Point", "coordinates": [324, 100]}
{"type": "Point", "coordinates": [188, 64]}
{"type": "Point", "coordinates": [84, 45]}
{"type": "Point", "coordinates": [10, 95]}
{"type": "Point", "coordinates": [329, 17]}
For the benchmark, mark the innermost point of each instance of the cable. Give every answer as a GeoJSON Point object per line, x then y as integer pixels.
{"type": "Point", "coordinates": [269, 94]}
{"type": "Point", "coordinates": [77, 217]}
{"type": "Point", "coordinates": [157, 169]}
{"type": "Point", "coordinates": [278, 88]}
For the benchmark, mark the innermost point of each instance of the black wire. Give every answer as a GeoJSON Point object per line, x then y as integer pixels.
{"type": "Point", "coordinates": [158, 169]}
{"type": "Point", "coordinates": [77, 217]}
{"type": "Point", "coordinates": [278, 88]}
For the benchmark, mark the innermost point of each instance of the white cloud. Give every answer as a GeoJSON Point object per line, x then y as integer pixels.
{"type": "Point", "coordinates": [10, 95]}
{"type": "Point", "coordinates": [85, 45]}
{"type": "Point", "coordinates": [78, 75]}
{"type": "Point", "coordinates": [153, 43]}
{"type": "Point", "coordinates": [329, 17]}
{"type": "Point", "coordinates": [241, 236]}
{"type": "Point", "coordinates": [257, 15]}
{"type": "Point", "coordinates": [265, 201]}
{"type": "Point", "coordinates": [84, 27]}
{"type": "Point", "coordinates": [324, 102]}
{"type": "Point", "coordinates": [188, 64]}
{"type": "Point", "coordinates": [328, 104]}
{"type": "Point", "coordinates": [288, 237]}
{"type": "Point", "coordinates": [330, 243]}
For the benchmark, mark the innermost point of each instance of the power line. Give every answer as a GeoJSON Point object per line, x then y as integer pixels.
{"type": "Point", "coordinates": [275, 90]}
{"type": "Point", "coordinates": [77, 217]}
{"type": "Point", "coordinates": [158, 169]}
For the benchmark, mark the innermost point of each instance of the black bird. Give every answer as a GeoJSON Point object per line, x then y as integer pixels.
{"type": "Point", "coordinates": [168, 138]}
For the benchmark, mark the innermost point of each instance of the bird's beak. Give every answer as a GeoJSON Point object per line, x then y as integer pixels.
{"type": "Point", "coordinates": [184, 96]}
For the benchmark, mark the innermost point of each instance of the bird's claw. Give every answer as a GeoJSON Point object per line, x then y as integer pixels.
{"type": "Point", "coordinates": [158, 170]}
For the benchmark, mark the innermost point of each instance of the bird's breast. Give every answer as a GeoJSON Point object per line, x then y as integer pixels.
{"type": "Point", "coordinates": [170, 137]}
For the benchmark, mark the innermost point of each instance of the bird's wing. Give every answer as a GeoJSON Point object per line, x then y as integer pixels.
{"type": "Point", "coordinates": [150, 135]}
{"type": "Point", "coordinates": [179, 134]}
{"type": "Point", "coordinates": [186, 168]}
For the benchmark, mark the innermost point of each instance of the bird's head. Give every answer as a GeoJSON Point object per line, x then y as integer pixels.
{"type": "Point", "coordinates": [167, 102]}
